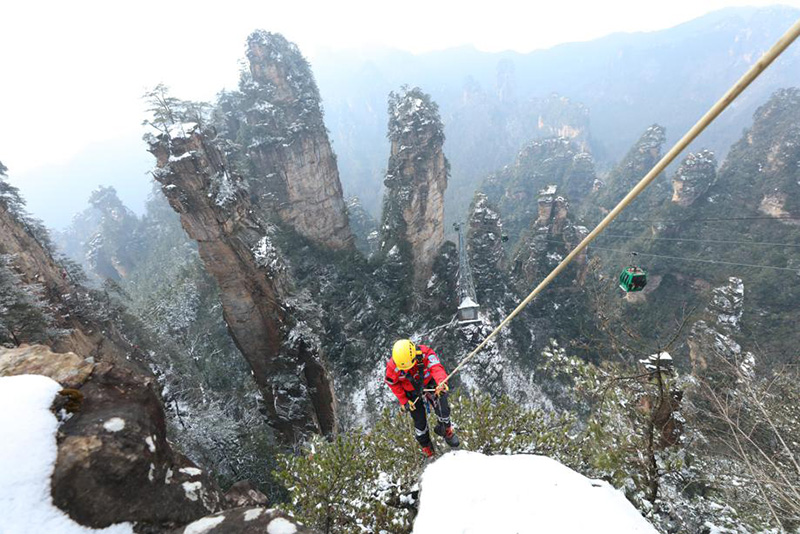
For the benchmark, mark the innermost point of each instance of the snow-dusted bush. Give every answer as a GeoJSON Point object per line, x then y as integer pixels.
{"type": "Point", "coordinates": [367, 481]}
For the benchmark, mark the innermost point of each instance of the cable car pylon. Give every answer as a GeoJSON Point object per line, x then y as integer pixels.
{"type": "Point", "coordinates": [468, 302]}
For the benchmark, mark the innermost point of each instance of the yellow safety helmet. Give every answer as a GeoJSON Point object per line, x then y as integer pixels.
{"type": "Point", "coordinates": [404, 354]}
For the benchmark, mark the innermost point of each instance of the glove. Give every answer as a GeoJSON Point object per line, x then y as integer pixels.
{"type": "Point", "coordinates": [442, 388]}
{"type": "Point", "coordinates": [410, 406]}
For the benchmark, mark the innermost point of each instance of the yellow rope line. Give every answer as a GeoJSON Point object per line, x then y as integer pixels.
{"type": "Point", "coordinates": [759, 67]}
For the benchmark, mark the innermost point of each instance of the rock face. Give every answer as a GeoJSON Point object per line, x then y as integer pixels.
{"type": "Point", "coordinates": [642, 156]}
{"type": "Point", "coordinates": [542, 165]}
{"type": "Point", "coordinates": [243, 494]}
{"type": "Point", "coordinates": [713, 337]}
{"type": "Point", "coordinates": [112, 249]}
{"type": "Point", "coordinates": [294, 168]}
{"type": "Point", "coordinates": [115, 464]}
{"type": "Point", "coordinates": [246, 520]}
{"type": "Point", "coordinates": [68, 369]}
{"type": "Point", "coordinates": [237, 249]}
{"type": "Point", "coordinates": [413, 206]}
{"type": "Point", "coordinates": [695, 175]}
{"type": "Point", "coordinates": [549, 239]}
{"type": "Point", "coordinates": [485, 249]}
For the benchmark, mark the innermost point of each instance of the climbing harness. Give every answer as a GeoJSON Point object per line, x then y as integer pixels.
{"type": "Point", "coordinates": [787, 39]}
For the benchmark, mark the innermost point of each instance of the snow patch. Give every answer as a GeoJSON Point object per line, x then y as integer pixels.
{"type": "Point", "coordinates": [549, 190]}
{"type": "Point", "coordinates": [201, 526]}
{"type": "Point", "coordinates": [28, 457]}
{"type": "Point", "coordinates": [115, 424]}
{"type": "Point", "coordinates": [519, 494]}
{"type": "Point", "coordinates": [252, 514]}
{"type": "Point", "coordinates": [280, 525]}
{"type": "Point", "coordinates": [191, 471]}
{"type": "Point", "coordinates": [467, 303]}
{"type": "Point", "coordinates": [173, 158]}
{"type": "Point", "coordinates": [191, 489]}
{"type": "Point", "coordinates": [151, 444]}
{"type": "Point", "coordinates": [181, 129]}
{"type": "Point", "coordinates": [266, 255]}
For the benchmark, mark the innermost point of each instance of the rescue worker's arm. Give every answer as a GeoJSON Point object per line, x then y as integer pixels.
{"type": "Point", "coordinates": [394, 384]}
{"type": "Point", "coordinates": [434, 366]}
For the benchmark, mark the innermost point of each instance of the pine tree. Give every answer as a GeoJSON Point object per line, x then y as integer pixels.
{"type": "Point", "coordinates": [24, 313]}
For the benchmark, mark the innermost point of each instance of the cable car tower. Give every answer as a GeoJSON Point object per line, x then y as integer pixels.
{"type": "Point", "coordinates": [468, 307]}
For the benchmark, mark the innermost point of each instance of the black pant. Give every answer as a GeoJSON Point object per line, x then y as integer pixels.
{"type": "Point", "coordinates": [440, 407]}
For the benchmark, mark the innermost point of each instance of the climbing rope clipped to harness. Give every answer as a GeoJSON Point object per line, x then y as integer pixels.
{"type": "Point", "coordinates": [777, 49]}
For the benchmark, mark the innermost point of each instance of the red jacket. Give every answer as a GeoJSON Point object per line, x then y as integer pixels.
{"type": "Point", "coordinates": [399, 381]}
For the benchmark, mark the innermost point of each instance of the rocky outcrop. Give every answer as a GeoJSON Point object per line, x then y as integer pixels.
{"type": "Point", "coordinates": [293, 168]}
{"type": "Point", "coordinates": [413, 206]}
{"type": "Point", "coordinates": [243, 494]}
{"type": "Point", "coordinates": [364, 226]}
{"type": "Point", "coordinates": [561, 117]}
{"type": "Point", "coordinates": [693, 178]}
{"type": "Point", "coordinates": [246, 520]}
{"type": "Point", "coordinates": [712, 340]}
{"type": "Point", "coordinates": [640, 159]}
{"type": "Point", "coordinates": [555, 162]}
{"type": "Point", "coordinates": [115, 463]}
{"type": "Point", "coordinates": [68, 369]}
{"type": "Point", "coordinates": [549, 239]}
{"type": "Point", "coordinates": [553, 210]}
{"type": "Point", "coordinates": [485, 250]}
{"type": "Point", "coordinates": [237, 248]}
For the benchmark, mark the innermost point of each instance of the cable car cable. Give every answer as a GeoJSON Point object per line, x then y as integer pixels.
{"type": "Point", "coordinates": [701, 260]}
{"type": "Point", "coordinates": [720, 241]}
{"type": "Point", "coordinates": [711, 219]}
{"type": "Point", "coordinates": [721, 262]}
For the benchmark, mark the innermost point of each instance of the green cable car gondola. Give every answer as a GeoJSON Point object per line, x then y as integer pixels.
{"type": "Point", "coordinates": [633, 278]}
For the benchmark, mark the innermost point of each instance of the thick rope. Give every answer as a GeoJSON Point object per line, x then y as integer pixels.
{"type": "Point", "coordinates": [759, 67]}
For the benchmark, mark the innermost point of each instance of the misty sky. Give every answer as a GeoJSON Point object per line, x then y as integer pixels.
{"type": "Point", "coordinates": [73, 72]}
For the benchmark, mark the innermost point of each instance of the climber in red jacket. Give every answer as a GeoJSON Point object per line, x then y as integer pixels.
{"type": "Point", "coordinates": [408, 372]}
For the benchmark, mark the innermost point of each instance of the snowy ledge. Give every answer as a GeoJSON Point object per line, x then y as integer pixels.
{"type": "Point", "coordinates": [27, 457]}
{"type": "Point", "coordinates": [470, 493]}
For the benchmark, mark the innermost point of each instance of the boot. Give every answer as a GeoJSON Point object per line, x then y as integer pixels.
{"type": "Point", "coordinates": [449, 435]}
{"type": "Point", "coordinates": [428, 451]}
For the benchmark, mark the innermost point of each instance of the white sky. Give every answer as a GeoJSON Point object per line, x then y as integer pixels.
{"type": "Point", "coordinates": [72, 72]}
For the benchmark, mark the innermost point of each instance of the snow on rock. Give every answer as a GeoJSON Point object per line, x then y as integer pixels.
{"type": "Point", "coordinates": [115, 424]}
{"type": "Point", "coordinates": [201, 526]}
{"type": "Point", "coordinates": [253, 513]}
{"type": "Point", "coordinates": [192, 489]}
{"type": "Point", "coordinates": [247, 520]}
{"type": "Point", "coordinates": [27, 457]}
{"type": "Point", "coordinates": [181, 129]}
{"type": "Point", "coordinates": [280, 525]}
{"type": "Point", "coordinates": [191, 471]}
{"type": "Point", "coordinates": [470, 493]}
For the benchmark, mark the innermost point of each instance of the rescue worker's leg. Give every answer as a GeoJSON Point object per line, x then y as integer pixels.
{"type": "Point", "coordinates": [444, 427]}
{"type": "Point", "coordinates": [421, 424]}
{"type": "Point", "coordinates": [442, 409]}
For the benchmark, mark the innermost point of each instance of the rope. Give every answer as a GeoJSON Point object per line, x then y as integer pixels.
{"type": "Point", "coordinates": [768, 57]}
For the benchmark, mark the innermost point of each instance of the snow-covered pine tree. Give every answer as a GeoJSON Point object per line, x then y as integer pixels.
{"type": "Point", "coordinates": [25, 315]}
